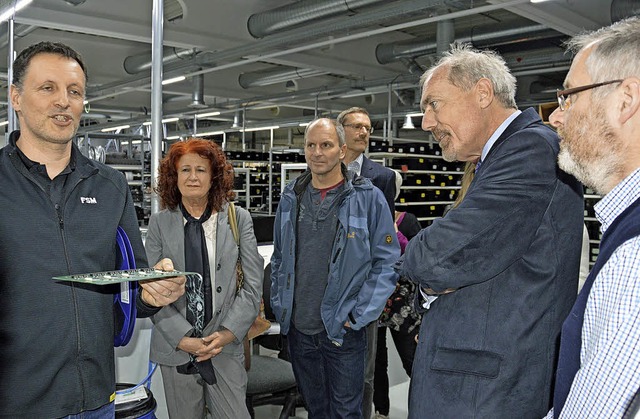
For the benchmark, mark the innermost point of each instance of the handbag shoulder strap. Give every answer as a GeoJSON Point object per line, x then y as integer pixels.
{"type": "Point", "coordinates": [233, 223]}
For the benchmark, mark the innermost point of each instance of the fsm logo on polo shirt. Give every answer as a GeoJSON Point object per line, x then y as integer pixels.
{"type": "Point", "coordinates": [88, 200]}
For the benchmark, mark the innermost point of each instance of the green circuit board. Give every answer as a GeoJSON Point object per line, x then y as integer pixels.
{"type": "Point", "coordinates": [118, 276]}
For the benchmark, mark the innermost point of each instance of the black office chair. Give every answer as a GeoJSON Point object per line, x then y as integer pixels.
{"type": "Point", "coordinates": [270, 379]}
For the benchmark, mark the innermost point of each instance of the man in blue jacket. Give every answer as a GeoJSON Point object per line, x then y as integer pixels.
{"type": "Point", "coordinates": [334, 248]}
{"type": "Point", "coordinates": [504, 263]}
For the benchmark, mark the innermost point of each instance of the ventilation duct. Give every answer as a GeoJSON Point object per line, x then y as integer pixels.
{"type": "Point", "coordinates": [390, 52]}
{"type": "Point", "coordinates": [172, 10]}
{"type": "Point", "coordinates": [445, 35]}
{"type": "Point", "coordinates": [412, 65]}
{"type": "Point", "coordinates": [540, 58]}
{"type": "Point", "coordinates": [291, 15]}
{"type": "Point", "coordinates": [622, 9]}
{"type": "Point", "coordinates": [265, 78]}
{"type": "Point", "coordinates": [135, 64]}
{"type": "Point", "coordinates": [238, 119]}
{"type": "Point", "coordinates": [197, 95]}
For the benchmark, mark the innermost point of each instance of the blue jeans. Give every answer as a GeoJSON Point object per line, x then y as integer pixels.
{"type": "Point", "coordinates": [330, 378]}
{"type": "Point", "coordinates": [108, 411]}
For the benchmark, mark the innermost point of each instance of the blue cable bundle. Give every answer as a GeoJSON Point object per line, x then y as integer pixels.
{"type": "Point", "coordinates": [125, 301]}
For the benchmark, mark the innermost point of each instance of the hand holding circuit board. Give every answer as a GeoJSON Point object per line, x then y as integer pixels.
{"type": "Point", "coordinates": [161, 285]}
{"type": "Point", "coordinates": [118, 276]}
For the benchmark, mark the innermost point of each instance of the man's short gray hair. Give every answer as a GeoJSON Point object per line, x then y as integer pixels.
{"type": "Point", "coordinates": [467, 65]}
{"type": "Point", "coordinates": [355, 109]}
{"type": "Point", "coordinates": [339, 129]}
{"type": "Point", "coordinates": [615, 53]}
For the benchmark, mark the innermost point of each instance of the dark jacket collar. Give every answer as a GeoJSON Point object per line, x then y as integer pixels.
{"type": "Point", "coordinates": [77, 161]}
{"type": "Point", "coordinates": [527, 117]}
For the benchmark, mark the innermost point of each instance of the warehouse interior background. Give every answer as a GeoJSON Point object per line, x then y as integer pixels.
{"type": "Point", "coordinates": [250, 74]}
{"type": "Point", "coordinates": [280, 63]}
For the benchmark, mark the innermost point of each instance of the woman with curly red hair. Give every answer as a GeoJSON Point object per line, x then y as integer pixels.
{"type": "Point", "coordinates": [197, 341]}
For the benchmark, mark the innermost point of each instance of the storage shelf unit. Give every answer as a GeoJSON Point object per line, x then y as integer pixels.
{"type": "Point", "coordinates": [258, 174]}
{"type": "Point", "coordinates": [430, 184]}
{"type": "Point", "coordinates": [130, 154]}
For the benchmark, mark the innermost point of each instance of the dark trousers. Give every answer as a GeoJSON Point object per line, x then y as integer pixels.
{"type": "Point", "coordinates": [406, 345]}
{"type": "Point", "coordinates": [330, 377]}
{"type": "Point", "coordinates": [108, 411]}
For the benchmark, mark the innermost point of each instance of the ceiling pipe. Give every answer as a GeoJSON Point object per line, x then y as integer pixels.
{"type": "Point", "coordinates": [135, 64]}
{"type": "Point", "coordinates": [238, 119]}
{"type": "Point", "coordinates": [445, 35]}
{"type": "Point", "coordinates": [390, 52]}
{"type": "Point", "coordinates": [265, 78]}
{"type": "Point", "coordinates": [621, 9]}
{"type": "Point", "coordinates": [412, 65]}
{"type": "Point", "coordinates": [247, 53]}
{"type": "Point", "coordinates": [254, 51]}
{"type": "Point", "coordinates": [197, 95]}
{"type": "Point", "coordinates": [288, 16]}
{"type": "Point", "coordinates": [543, 57]}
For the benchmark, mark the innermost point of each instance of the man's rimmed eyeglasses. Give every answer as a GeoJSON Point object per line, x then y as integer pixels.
{"type": "Point", "coordinates": [358, 127]}
{"type": "Point", "coordinates": [563, 95]}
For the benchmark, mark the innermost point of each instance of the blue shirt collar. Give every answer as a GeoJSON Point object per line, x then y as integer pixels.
{"type": "Point", "coordinates": [498, 133]}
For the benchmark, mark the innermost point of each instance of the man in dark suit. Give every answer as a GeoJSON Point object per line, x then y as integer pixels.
{"type": "Point", "coordinates": [357, 127]}
{"type": "Point", "coordinates": [503, 265]}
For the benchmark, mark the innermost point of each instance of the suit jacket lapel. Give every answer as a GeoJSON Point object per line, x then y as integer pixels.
{"type": "Point", "coordinates": [367, 167]}
{"type": "Point", "coordinates": [175, 239]}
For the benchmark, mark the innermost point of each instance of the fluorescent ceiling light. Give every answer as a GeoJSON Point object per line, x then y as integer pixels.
{"type": "Point", "coordinates": [173, 80]}
{"type": "Point", "coordinates": [115, 128]}
{"type": "Point", "coordinates": [3, 123]}
{"type": "Point", "coordinates": [538, 1]}
{"type": "Point", "coordinates": [261, 128]}
{"type": "Point", "coordinates": [202, 134]}
{"type": "Point", "coordinates": [204, 115]}
{"type": "Point", "coordinates": [9, 8]}
{"type": "Point", "coordinates": [173, 137]}
{"type": "Point", "coordinates": [164, 121]}
{"type": "Point", "coordinates": [303, 124]}
{"type": "Point", "coordinates": [411, 115]}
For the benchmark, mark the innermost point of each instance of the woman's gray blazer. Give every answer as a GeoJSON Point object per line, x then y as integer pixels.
{"type": "Point", "coordinates": [165, 239]}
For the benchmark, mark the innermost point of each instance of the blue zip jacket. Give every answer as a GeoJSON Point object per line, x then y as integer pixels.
{"type": "Point", "coordinates": [361, 275]}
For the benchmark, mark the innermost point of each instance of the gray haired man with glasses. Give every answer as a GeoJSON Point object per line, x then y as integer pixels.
{"type": "Point", "coordinates": [358, 128]}
{"type": "Point", "coordinates": [598, 121]}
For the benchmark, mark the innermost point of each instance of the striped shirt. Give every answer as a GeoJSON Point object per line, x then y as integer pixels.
{"type": "Point", "coordinates": [609, 374]}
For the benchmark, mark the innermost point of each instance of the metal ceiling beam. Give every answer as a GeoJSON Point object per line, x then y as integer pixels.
{"type": "Point", "coordinates": [278, 75]}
